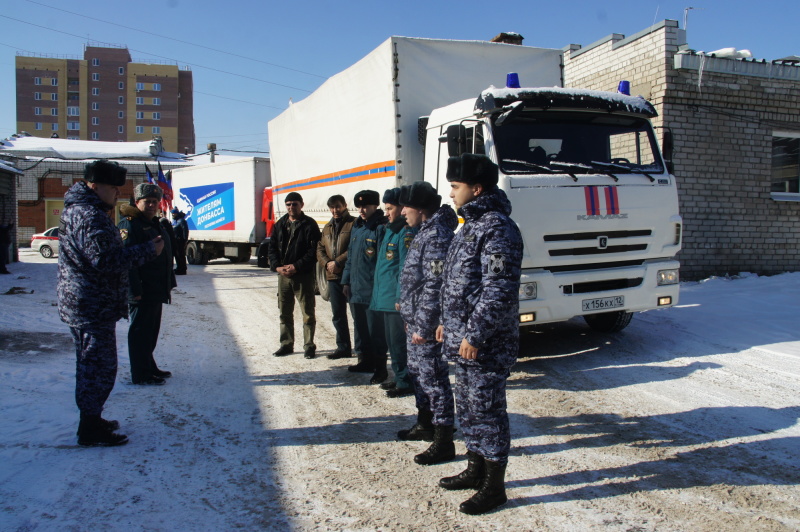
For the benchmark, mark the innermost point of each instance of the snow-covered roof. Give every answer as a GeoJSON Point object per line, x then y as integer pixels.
{"type": "Point", "coordinates": [9, 169]}
{"type": "Point", "coordinates": [84, 149]}
{"type": "Point", "coordinates": [548, 97]}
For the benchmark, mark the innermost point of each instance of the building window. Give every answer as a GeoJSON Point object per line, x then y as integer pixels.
{"type": "Point", "coordinates": [37, 110]}
{"type": "Point", "coordinates": [37, 81]}
{"type": "Point", "coordinates": [38, 125]}
{"type": "Point", "coordinates": [120, 129]}
{"type": "Point", "coordinates": [121, 100]}
{"type": "Point", "coordinates": [95, 106]}
{"type": "Point", "coordinates": [73, 111]}
{"type": "Point", "coordinates": [140, 86]}
{"type": "Point", "coordinates": [156, 116]}
{"type": "Point", "coordinates": [37, 95]}
{"type": "Point", "coordinates": [139, 115]}
{"type": "Point", "coordinates": [121, 85]}
{"type": "Point", "coordinates": [156, 86]}
{"type": "Point", "coordinates": [95, 91]}
{"type": "Point", "coordinates": [73, 138]}
{"type": "Point", "coordinates": [786, 162]}
{"type": "Point", "coordinates": [95, 135]}
{"type": "Point", "coordinates": [139, 100]}
{"type": "Point", "coordinates": [95, 62]}
{"type": "Point", "coordinates": [140, 129]}
{"type": "Point", "coordinates": [73, 126]}
{"type": "Point", "coordinates": [156, 130]}
{"type": "Point", "coordinates": [95, 77]}
{"type": "Point", "coordinates": [120, 114]}
{"type": "Point", "coordinates": [54, 96]}
{"type": "Point", "coordinates": [121, 71]}
{"type": "Point", "coordinates": [95, 121]}
{"type": "Point", "coordinates": [54, 127]}
{"type": "Point", "coordinates": [156, 101]}
{"type": "Point", "coordinates": [54, 111]}
{"type": "Point", "coordinates": [54, 82]}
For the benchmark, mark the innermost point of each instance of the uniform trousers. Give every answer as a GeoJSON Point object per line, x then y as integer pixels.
{"type": "Point", "coordinates": [396, 340]}
{"type": "Point", "coordinates": [96, 365]}
{"type": "Point", "coordinates": [431, 377]}
{"type": "Point", "coordinates": [142, 338]}
{"type": "Point", "coordinates": [339, 310]}
{"type": "Point", "coordinates": [369, 336]}
{"type": "Point", "coordinates": [301, 287]}
{"type": "Point", "coordinates": [180, 255]}
{"type": "Point", "coordinates": [482, 410]}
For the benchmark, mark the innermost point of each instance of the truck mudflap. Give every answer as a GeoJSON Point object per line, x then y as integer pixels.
{"type": "Point", "coordinates": [564, 295]}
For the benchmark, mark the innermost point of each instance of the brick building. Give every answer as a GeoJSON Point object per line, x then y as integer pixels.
{"type": "Point", "coordinates": [736, 128]}
{"type": "Point", "coordinates": [105, 96]}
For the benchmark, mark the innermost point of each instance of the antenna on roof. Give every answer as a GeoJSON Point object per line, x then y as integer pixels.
{"type": "Point", "coordinates": [686, 15]}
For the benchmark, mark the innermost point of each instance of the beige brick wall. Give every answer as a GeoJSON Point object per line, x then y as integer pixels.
{"type": "Point", "coordinates": [723, 148]}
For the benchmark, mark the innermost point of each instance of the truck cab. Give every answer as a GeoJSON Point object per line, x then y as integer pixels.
{"type": "Point", "coordinates": [590, 192]}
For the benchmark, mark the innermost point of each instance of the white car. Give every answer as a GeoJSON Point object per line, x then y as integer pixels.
{"type": "Point", "coordinates": [46, 243]}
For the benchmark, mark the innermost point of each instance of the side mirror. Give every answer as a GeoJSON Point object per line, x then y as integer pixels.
{"type": "Point", "coordinates": [456, 140]}
{"type": "Point", "coordinates": [668, 150]}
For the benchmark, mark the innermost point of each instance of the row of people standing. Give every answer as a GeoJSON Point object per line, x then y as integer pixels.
{"type": "Point", "coordinates": [428, 296]}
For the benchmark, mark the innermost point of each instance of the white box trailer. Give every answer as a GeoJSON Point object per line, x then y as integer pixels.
{"type": "Point", "coordinates": [224, 204]}
{"type": "Point", "coordinates": [359, 129]}
{"type": "Point", "coordinates": [590, 190]}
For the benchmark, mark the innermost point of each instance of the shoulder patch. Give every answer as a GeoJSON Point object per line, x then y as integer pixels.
{"type": "Point", "coordinates": [497, 263]}
{"type": "Point", "coordinates": [123, 233]}
{"type": "Point", "coordinates": [437, 267]}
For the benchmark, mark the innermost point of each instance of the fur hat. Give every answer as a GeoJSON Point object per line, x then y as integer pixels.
{"type": "Point", "coordinates": [392, 195]}
{"type": "Point", "coordinates": [420, 195]}
{"type": "Point", "coordinates": [147, 190]}
{"type": "Point", "coordinates": [105, 172]}
{"type": "Point", "coordinates": [293, 196]}
{"type": "Point", "coordinates": [472, 169]}
{"type": "Point", "coordinates": [367, 197]}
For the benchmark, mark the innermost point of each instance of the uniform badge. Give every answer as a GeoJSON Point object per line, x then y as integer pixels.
{"type": "Point", "coordinates": [370, 251]}
{"type": "Point", "coordinates": [123, 233]}
{"type": "Point", "coordinates": [407, 240]}
{"type": "Point", "coordinates": [389, 254]}
{"type": "Point", "coordinates": [497, 263]}
{"type": "Point", "coordinates": [469, 238]}
{"type": "Point", "coordinates": [437, 267]}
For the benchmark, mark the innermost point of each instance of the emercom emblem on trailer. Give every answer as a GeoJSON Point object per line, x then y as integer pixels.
{"type": "Point", "coordinates": [594, 210]}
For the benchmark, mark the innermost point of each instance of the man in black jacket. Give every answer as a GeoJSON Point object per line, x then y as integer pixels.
{"type": "Point", "coordinates": [292, 254]}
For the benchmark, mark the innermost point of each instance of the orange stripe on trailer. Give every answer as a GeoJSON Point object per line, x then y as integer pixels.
{"type": "Point", "coordinates": [352, 175]}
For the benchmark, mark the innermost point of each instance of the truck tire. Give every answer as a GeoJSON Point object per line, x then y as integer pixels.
{"type": "Point", "coordinates": [262, 255]}
{"type": "Point", "coordinates": [193, 253]}
{"type": "Point", "coordinates": [609, 322]}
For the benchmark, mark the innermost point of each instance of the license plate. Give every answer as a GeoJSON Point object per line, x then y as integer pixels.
{"type": "Point", "coordinates": [603, 303]}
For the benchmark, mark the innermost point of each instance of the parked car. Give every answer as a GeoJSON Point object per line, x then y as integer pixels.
{"type": "Point", "coordinates": [46, 243]}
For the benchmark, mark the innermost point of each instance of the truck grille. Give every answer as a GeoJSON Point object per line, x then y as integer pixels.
{"type": "Point", "coordinates": [583, 250]}
{"type": "Point", "coordinates": [602, 286]}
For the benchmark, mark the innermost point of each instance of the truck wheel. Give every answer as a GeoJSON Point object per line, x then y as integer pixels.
{"type": "Point", "coordinates": [193, 254]}
{"type": "Point", "coordinates": [609, 322]}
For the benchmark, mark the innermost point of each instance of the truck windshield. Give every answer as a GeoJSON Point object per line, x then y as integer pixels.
{"type": "Point", "coordinates": [556, 142]}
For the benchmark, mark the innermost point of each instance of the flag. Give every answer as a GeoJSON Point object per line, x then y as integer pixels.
{"type": "Point", "coordinates": [166, 188]}
{"type": "Point", "coordinates": [149, 175]}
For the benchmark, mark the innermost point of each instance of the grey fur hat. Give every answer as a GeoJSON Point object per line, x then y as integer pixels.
{"type": "Point", "coordinates": [147, 190]}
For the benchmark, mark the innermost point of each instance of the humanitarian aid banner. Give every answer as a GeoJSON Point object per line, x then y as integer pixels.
{"type": "Point", "coordinates": [209, 207]}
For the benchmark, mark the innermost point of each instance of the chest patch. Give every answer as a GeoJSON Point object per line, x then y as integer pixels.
{"type": "Point", "coordinates": [123, 233]}
{"type": "Point", "coordinates": [469, 238]}
{"type": "Point", "coordinates": [497, 263]}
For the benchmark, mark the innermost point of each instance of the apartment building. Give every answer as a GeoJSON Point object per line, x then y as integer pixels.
{"type": "Point", "coordinates": [105, 96]}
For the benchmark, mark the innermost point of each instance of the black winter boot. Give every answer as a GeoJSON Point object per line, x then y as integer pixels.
{"type": "Point", "coordinates": [110, 424]}
{"type": "Point", "coordinates": [422, 430]}
{"type": "Point", "coordinates": [470, 478]}
{"type": "Point", "coordinates": [492, 491]}
{"type": "Point", "coordinates": [441, 450]}
{"type": "Point", "coordinates": [93, 431]}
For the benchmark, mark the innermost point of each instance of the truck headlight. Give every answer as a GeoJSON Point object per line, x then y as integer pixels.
{"type": "Point", "coordinates": [527, 291]}
{"type": "Point", "coordinates": [667, 277]}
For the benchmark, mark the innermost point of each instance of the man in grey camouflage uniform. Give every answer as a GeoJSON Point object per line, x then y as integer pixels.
{"type": "Point", "coordinates": [480, 330]}
{"type": "Point", "coordinates": [420, 284]}
{"type": "Point", "coordinates": [93, 291]}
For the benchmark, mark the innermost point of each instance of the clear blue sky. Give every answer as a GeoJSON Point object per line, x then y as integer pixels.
{"type": "Point", "coordinates": [249, 57]}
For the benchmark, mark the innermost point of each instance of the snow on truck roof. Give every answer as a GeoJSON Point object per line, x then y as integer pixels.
{"type": "Point", "coordinates": [556, 97]}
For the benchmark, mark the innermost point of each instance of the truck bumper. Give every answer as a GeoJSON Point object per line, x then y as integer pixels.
{"type": "Point", "coordinates": [561, 296]}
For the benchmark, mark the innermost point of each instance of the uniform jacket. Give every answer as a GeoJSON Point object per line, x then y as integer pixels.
{"type": "Point", "coordinates": [93, 263]}
{"type": "Point", "coordinates": [180, 228]}
{"type": "Point", "coordinates": [362, 256]}
{"type": "Point", "coordinates": [423, 272]}
{"type": "Point", "coordinates": [299, 250]}
{"type": "Point", "coordinates": [480, 293]}
{"type": "Point", "coordinates": [394, 239]}
{"type": "Point", "coordinates": [333, 246]}
{"type": "Point", "coordinates": [154, 280]}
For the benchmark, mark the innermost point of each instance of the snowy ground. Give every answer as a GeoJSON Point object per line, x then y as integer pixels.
{"type": "Point", "coordinates": [687, 420]}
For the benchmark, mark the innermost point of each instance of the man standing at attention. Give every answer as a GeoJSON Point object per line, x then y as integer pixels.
{"type": "Point", "coordinates": [332, 255]}
{"type": "Point", "coordinates": [480, 329]}
{"type": "Point", "coordinates": [92, 291]}
{"type": "Point", "coordinates": [150, 286]}
{"type": "Point", "coordinates": [357, 280]}
{"type": "Point", "coordinates": [292, 254]}
{"type": "Point", "coordinates": [421, 283]}
{"type": "Point", "coordinates": [181, 230]}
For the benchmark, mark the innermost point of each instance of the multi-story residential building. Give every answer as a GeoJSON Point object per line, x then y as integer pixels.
{"type": "Point", "coordinates": [105, 96]}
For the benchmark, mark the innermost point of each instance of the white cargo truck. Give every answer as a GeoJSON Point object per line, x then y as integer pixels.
{"type": "Point", "coordinates": [590, 190]}
{"type": "Point", "coordinates": [226, 207]}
